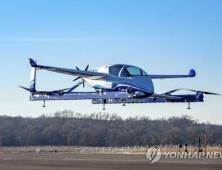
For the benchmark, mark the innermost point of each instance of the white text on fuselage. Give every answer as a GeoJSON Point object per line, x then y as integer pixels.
{"type": "Point", "coordinates": [94, 70]}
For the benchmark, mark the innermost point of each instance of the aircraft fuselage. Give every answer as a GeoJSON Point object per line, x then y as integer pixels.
{"type": "Point", "coordinates": [140, 85]}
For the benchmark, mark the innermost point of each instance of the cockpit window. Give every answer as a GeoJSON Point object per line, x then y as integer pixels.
{"type": "Point", "coordinates": [126, 71]}
{"type": "Point", "coordinates": [114, 70]}
{"type": "Point", "coordinates": [144, 73]}
{"type": "Point", "coordinates": [134, 71]}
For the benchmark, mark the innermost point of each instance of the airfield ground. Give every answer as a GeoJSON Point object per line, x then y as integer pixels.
{"type": "Point", "coordinates": [34, 161]}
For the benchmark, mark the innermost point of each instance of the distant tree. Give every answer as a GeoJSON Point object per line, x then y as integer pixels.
{"type": "Point", "coordinates": [104, 129]}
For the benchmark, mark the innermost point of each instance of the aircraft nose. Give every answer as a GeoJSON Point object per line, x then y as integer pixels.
{"type": "Point", "coordinates": [145, 82]}
{"type": "Point", "coordinates": [150, 85]}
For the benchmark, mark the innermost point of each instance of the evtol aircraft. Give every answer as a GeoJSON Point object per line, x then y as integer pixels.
{"type": "Point", "coordinates": [113, 84]}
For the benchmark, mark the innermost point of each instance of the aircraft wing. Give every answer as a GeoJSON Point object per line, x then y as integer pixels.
{"type": "Point", "coordinates": [192, 73]}
{"type": "Point", "coordinates": [89, 74]}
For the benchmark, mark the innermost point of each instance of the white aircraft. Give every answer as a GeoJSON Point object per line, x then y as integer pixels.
{"type": "Point", "coordinates": [119, 83]}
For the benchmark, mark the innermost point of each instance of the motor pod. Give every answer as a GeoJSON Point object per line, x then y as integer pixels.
{"type": "Point", "coordinates": [138, 94]}
{"type": "Point", "coordinates": [199, 96]}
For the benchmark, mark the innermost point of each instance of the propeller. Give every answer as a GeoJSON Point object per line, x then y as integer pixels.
{"type": "Point", "coordinates": [172, 91]}
{"type": "Point", "coordinates": [83, 83]}
{"type": "Point", "coordinates": [166, 93]}
{"type": "Point", "coordinates": [76, 78]}
{"type": "Point", "coordinates": [24, 88]}
{"type": "Point", "coordinates": [60, 92]}
{"type": "Point", "coordinates": [204, 92]}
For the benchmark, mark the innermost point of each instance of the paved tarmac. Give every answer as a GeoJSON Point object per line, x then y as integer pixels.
{"type": "Point", "coordinates": [101, 162]}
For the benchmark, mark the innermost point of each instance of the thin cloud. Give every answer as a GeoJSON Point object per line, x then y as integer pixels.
{"type": "Point", "coordinates": [33, 39]}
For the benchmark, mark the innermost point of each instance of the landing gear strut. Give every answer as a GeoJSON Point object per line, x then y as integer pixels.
{"type": "Point", "coordinates": [104, 103]}
{"type": "Point", "coordinates": [188, 105]}
{"type": "Point", "coordinates": [188, 100]}
{"type": "Point", "coordinates": [43, 103]}
{"type": "Point", "coordinates": [124, 104]}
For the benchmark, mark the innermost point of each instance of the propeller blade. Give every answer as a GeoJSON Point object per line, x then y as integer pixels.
{"type": "Point", "coordinates": [77, 68]}
{"type": "Point", "coordinates": [172, 91]}
{"type": "Point", "coordinates": [24, 88]}
{"type": "Point", "coordinates": [55, 91]}
{"type": "Point", "coordinates": [204, 92]}
{"type": "Point", "coordinates": [87, 67]}
{"type": "Point", "coordinates": [76, 78]}
{"type": "Point", "coordinates": [83, 84]}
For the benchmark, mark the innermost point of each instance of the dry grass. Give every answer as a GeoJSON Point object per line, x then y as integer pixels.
{"type": "Point", "coordinates": [99, 150]}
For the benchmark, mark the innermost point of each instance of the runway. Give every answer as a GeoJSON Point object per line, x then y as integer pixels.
{"type": "Point", "coordinates": [102, 162]}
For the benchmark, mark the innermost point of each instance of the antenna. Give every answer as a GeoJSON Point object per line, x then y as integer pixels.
{"type": "Point", "coordinates": [69, 142]}
{"type": "Point", "coordinates": [205, 143]}
{"type": "Point", "coordinates": [1, 141]}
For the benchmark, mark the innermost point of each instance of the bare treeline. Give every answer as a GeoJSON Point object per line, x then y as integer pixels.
{"type": "Point", "coordinates": [104, 129]}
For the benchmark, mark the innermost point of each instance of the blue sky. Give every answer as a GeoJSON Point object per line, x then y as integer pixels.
{"type": "Point", "coordinates": [162, 37]}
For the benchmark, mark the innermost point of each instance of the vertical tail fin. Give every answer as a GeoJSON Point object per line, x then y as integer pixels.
{"type": "Point", "coordinates": [32, 80]}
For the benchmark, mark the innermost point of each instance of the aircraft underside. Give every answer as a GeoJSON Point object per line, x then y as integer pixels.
{"type": "Point", "coordinates": [115, 98]}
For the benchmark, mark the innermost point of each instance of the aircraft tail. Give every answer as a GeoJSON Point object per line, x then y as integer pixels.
{"type": "Point", "coordinates": [32, 80]}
